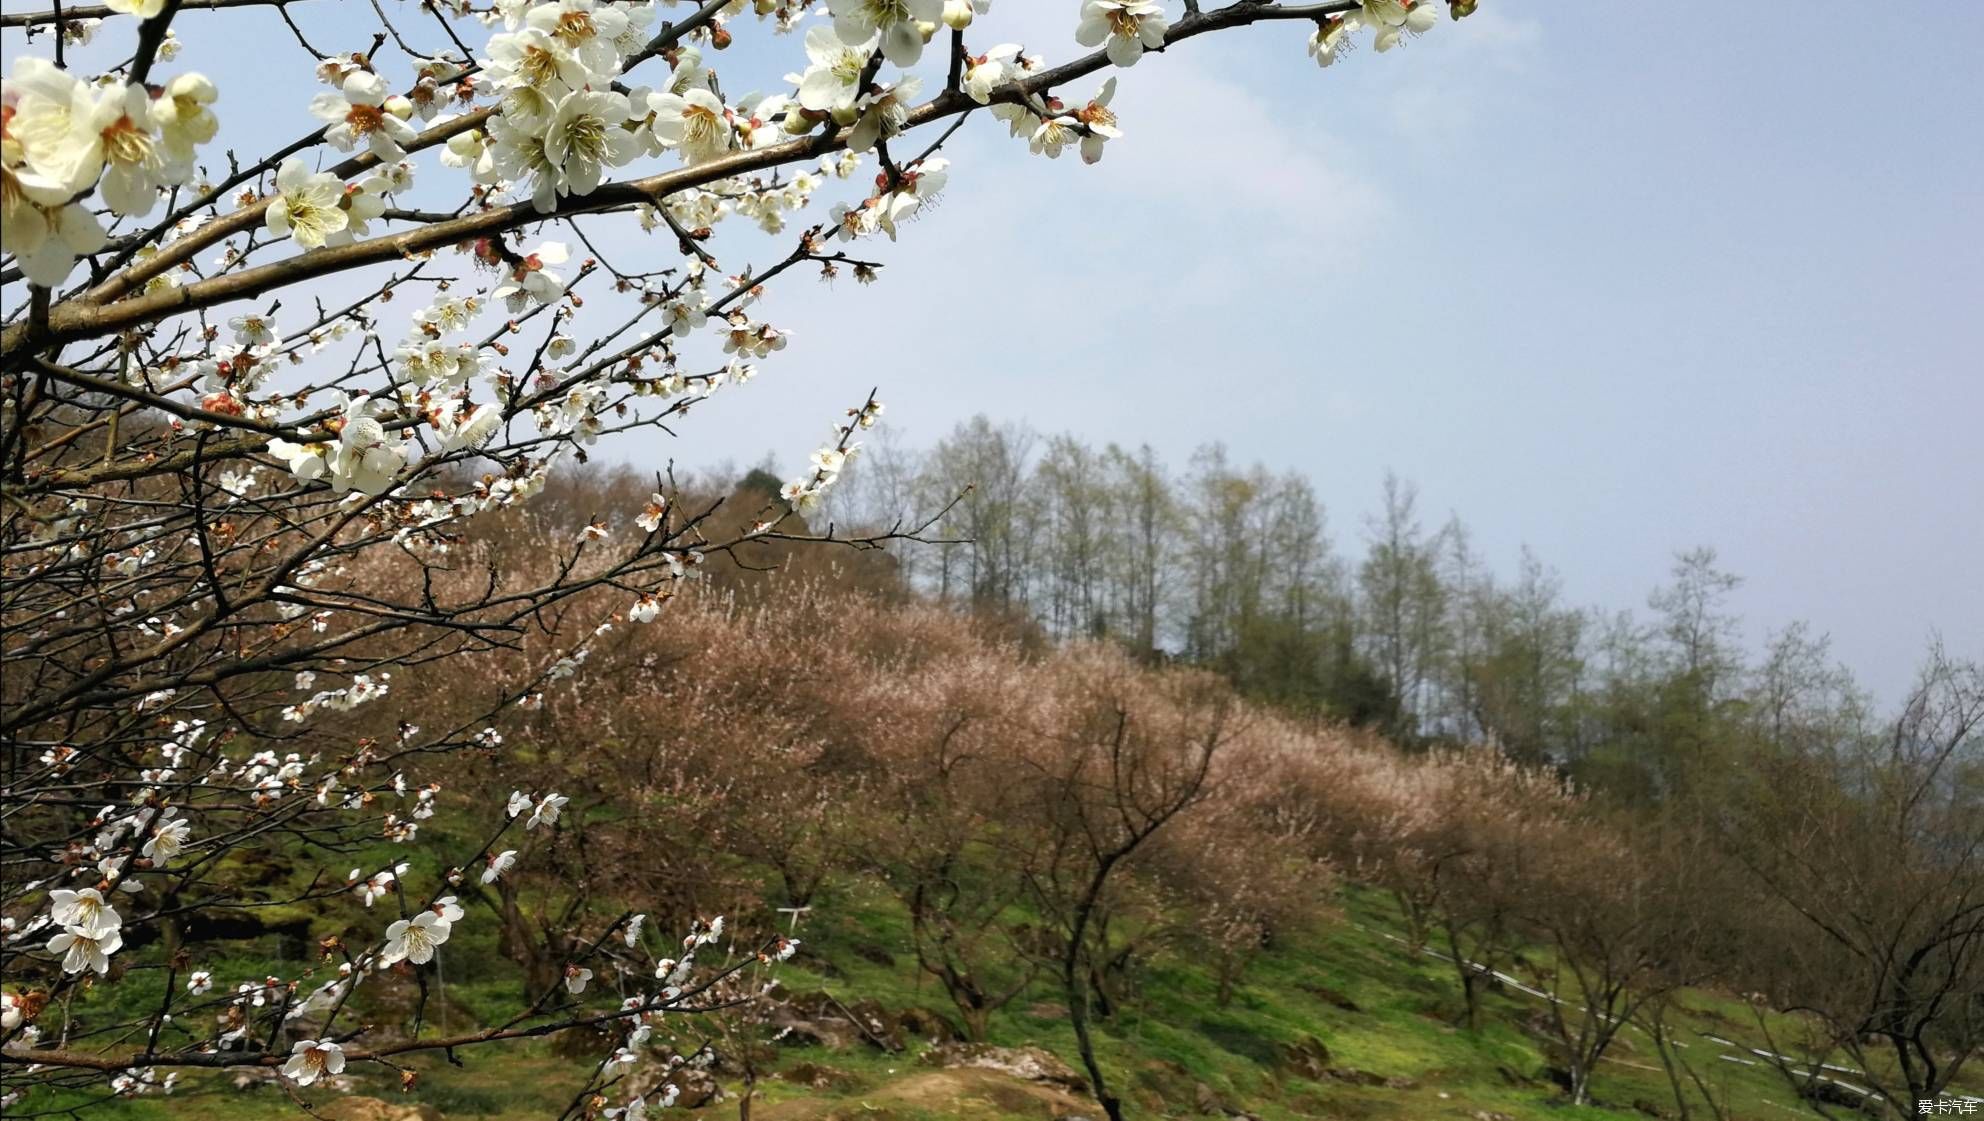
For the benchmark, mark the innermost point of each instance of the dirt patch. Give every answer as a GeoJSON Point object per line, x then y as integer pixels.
{"type": "Point", "coordinates": [963, 1094]}
{"type": "Point", "coordinates": [816, 1076]}
{"type": "Point", "coordinates": [374, 1109]}
{"type": "Point", "coordinates": [1025, 1064]}
{"type": "Point", "coordinates": [1332, 997]}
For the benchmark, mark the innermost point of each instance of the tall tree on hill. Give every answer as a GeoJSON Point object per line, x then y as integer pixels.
{"type": "Point", "coordinates": [1404, 603]}
{"type": "Point", "coordinates": [1144, 553]}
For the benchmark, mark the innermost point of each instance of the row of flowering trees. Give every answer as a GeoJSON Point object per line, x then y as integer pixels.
{"type": "Point", "coordinates": [247, 499]}
{"type": "Point", "coordinates": [1050, 819]}
{"type": "Point", "coordinates": [1039, 810]}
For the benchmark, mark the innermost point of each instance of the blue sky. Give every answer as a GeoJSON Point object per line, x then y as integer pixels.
{"type": "Point", "coordinates": [1608, 280]}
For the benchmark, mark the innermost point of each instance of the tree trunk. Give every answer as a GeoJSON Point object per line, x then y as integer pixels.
{"type": "Point", "coordinates": [1470, 979]}
{"type": "Point", "coordinates": [1075, 989]}
{"type": "Point", "coordinates": [977, 1021]}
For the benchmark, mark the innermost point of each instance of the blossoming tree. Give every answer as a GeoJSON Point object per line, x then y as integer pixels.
{"type": "Point", "coordinates": [240, 490]}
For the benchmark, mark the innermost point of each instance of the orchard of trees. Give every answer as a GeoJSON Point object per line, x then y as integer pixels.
{"type": "Point", "coordinates": [1395, 622]}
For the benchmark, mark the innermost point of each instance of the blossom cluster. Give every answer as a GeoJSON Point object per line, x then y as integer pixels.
{"type": "Point", "coordinates": [807, 491]}
{"type": "Point", "coordinates": [63, 137]}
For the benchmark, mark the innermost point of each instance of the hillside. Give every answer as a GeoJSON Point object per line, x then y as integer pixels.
{"type": "Point", "coordinates": [963, 818]}
{"type": "Point", "coordinates": [1342, 1022]}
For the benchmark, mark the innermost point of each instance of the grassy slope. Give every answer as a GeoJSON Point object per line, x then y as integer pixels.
{"type": "Point", "coordinates": [1169, 1038]}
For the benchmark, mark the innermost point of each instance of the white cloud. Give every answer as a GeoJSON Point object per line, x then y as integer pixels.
{"type": "Point", "coordinates": [1215, 150]}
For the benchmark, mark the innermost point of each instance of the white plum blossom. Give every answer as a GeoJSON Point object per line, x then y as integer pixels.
{"type": "Point", "coordinates": [986, 72]}
{"type": "Point", "coordinates": [428, 96]}
{"type": "Point", "coordinates": [498, 864]}
{"type": "Point", "coordinates": [307, 205]}
{"type": "Point", "coordinates": [167, 841]}
{"type": "Point", "coordinates": [46, 236]}
{"type": "Point", "coordinates": [415, 939]}
{"type": "Point", "coordinates": [920, 183]}
{"type": "Point", "coordinates": [694, 122]}
{"type": "Point", "coordinates": [1392, 21]}
{"type": "Point", "coordinates": [516, 155]}
{"type": "Point", "coordinates": [200, 982]}
{"type": "Point", "coordinates": [361, 202]}
{"type": "Point", "coordinates": [84, 949]}
{"type": "Point", "coordinates": [634, 35]}
{"type": "Point", "coordinates": [84, 910]}
{"type": "Point", "coordinates": [253, 329]}
{"type": "Point", "coordinates": [427, 361]}
{"type": "Point", "coordinates": [471, 149]}
{"type": "Point", "coordinates": [359, 114]}
{"type": "Point", "coordinates": [711, 932]}
{"type": "Point", "coordinates": [1332, 39]}
{"type": "Point", "coordinates": [546, 811]}
{"type": "Point", "coordinates": [184, 121]}
{"type": "Point", "coordinates": [576, 978]}
{"type": "Point", "coordinates": [685, 313]}
{"type": "Point", "coordinates": [1097, 123]}
{"type": "Point", "coordinates": [829, 460]}
{"type": "Point", "coordinates": [364, 458]}
{"type": "Point", "coordinates": [372, 889]}
{"type": "Point", "coordinates": [896, 20]}
{"type": "Point", "coordinates": [586, 137]}
{"type": "Point", "coordinates": [649, 518]}
{"type": "Point", "coordinates": [533, 71]}
{"type": "Point", "coordinates": [585, 29]}
{"type": "Point", "coordinates": [311, 1059]}
{"type": "Point", "coordinates": [958, 14]}
{"type": "Point", "coordinates": [530, 278]}
{"type": "Point", "coordinates": [134, 163]}
{"type": "Point", "coordinates": [833, 81]}
{"type": "Point", "coordinates": [394, 178]}
{"type": "Point", "coordinates": [472, 431]}
{"type": "Point", "coordinates": [801, 494]}
{"type": "Point", "coordinates": [76, 134]}
{"type": "Point", "coordinates": [884, 112]}
{"type": "Point", "coordinates": [1131, 27]}
{"type": "Point", "coordinates": [306, 462]}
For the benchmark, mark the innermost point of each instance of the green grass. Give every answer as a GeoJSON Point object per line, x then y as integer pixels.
{"type": "Point", "coordinates": [1169, 1036]}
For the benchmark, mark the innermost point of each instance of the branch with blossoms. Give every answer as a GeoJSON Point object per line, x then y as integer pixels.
{"type": "Point", "coordinates": [284, 419]}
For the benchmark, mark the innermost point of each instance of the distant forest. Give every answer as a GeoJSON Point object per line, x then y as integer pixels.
{"type": "Point", "coordinates": [1235, 568]}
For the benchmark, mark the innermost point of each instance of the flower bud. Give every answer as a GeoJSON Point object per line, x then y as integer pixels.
{"type": "Point", "coordinates": [957, 14]}
{"type": "Point", "coordinates": [399, 106]}
{"type": "Point", "coordinates": [846, 115]}
{"type": "Point", "coordinates": [1461, 9]}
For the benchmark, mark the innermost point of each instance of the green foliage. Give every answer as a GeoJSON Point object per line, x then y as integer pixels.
{"type": "Point", "coordinates": [1345, 1021]}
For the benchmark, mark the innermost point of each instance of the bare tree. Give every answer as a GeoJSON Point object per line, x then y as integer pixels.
{"type": "Point", "coordinates": [1876, 855]}
{"type": "Point", "coordinates": [1124, 758]}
